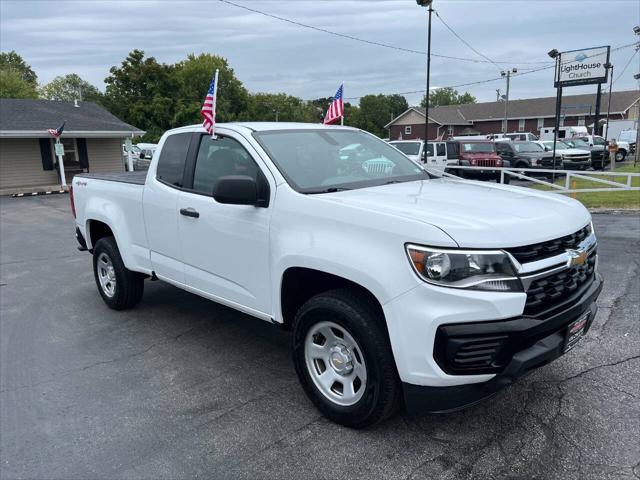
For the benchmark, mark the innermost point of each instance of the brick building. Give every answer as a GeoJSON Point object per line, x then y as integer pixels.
{"type": "Point", "coordinates": [528, 115]}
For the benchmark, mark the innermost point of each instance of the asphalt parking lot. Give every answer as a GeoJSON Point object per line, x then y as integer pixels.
{"type": "Point", "coordinates": [181, 387]}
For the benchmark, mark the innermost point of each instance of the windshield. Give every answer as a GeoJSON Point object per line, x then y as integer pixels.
{"type": "Point", "coordinates": [577, 143]}
{"type": "Point", "coordinates": [527, 147]}
{"type": "Point", "coordinates": [408, 148]}
{"type": "Point", "coordinates": [559, 144]}
{"type": "Point", "coordinates": [484, 147]}
{"type": "Point", "coordinates": [325, 160]}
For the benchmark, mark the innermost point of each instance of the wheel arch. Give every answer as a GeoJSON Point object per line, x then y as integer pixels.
{"type": "Point", "coordinates": [97, 229]}
{"type": "Point", "coordinates": [299, 284]}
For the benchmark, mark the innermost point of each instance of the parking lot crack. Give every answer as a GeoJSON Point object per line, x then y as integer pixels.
{"type": "Point", "coordinates": [57, 376]}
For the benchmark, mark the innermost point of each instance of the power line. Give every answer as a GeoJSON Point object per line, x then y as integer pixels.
{"type": "Point", "coordinates": [362, 40]}
{"type": "Point", "coordinates": [626, 66]}
{"type": "Point", "coordinates": [455, 34]}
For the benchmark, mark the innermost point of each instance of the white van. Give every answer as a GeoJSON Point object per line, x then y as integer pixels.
{"type": "Point", "coordinates": [435, 157]}
{"type": "Point", "coordinates": [522, 137]}
{"type": "Point", "coordinates": [546, 133]}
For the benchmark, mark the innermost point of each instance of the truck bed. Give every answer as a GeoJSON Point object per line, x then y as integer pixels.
{"type": "Point", "coordinates": [137, 178]}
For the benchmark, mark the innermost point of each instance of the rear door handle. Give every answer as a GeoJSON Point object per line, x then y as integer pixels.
{"type": "Point", "coordinates": [189, 212]}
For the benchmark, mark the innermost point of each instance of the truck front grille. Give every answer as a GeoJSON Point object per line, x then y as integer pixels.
{"type": "Point", "coordinates": [542, 250]}
{"type": "Point", "coordinates": [547, 292]}
{"type": "Point", "coordinates": [483, 162]}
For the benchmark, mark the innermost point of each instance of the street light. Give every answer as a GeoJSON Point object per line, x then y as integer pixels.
{"type": "Point", "coordinates": [555, 54]}
{"type": "Point", "coordinates": [427, 3]}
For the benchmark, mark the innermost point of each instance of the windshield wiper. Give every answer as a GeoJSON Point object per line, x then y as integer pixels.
{"type": "Point", "coordinates": [327, 190]}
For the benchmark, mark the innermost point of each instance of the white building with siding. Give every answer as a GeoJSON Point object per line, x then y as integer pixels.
{"type": "Point", "coordinates": [92, 140]}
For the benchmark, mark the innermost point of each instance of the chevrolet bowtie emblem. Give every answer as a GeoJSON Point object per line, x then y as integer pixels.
{"type": "Point", "coordinates": [577, 257]}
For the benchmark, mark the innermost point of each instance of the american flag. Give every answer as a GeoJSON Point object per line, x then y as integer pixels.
{"type": "Point", "coordinates": [208, 110]}
{"type": "Point", "coordinates": [336, 109]}
{"type": "Point", "coordinates": [56, 132]}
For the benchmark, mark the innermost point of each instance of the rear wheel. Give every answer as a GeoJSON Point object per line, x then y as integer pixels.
{"type": "Point", "coordinates": [620, 155]}
{"type": "Point", "coordinates": [343, 359]}
{"type": "Point", "coordinates": [119, 288]}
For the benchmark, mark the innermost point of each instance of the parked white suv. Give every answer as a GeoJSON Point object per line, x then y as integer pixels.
{"type": "Point", "coordinates": [394, 283]}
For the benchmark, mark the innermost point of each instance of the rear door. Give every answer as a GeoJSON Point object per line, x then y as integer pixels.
{"type": "Point", "coordinates": [225, 247]}
{"type": "Point", "coordinates": [160, 200]}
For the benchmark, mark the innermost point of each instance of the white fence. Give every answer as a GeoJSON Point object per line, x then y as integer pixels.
{"type": "Point", "coordinates": [609, 180]}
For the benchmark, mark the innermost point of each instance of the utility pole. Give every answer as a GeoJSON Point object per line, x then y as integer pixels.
{"type": "Point", "coordinates": [636, 30]}
{"type": "Point", "coordinates": [507, 75]}
{"type": "Point", "coordinates": [608, 65]}
{"type": "Point", "coordinates": [557, 57]}
{"type": "Point", "coordinates": [427, 3]}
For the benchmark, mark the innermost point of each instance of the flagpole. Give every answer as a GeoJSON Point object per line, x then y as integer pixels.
{"type": "Point", "coordinates": [215, 102]}
{"type": "Point", "coordinates": [342, 116]}
{"type": "Point", "coordinates": [63, 178]}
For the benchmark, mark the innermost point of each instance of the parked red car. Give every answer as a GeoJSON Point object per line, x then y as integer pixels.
{"type": "Point", "coordinates": [475, 153]}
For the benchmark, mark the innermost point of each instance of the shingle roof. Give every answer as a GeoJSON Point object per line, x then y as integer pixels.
{"type": "Point", "coordinates": [18, 115]}
{"type": "Point", "coordinates": [572, 105]}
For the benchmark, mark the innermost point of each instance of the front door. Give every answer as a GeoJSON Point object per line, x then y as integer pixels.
{"type": "Point", "coordinates": [160, 204]}
{"type": "Point", "coordinates": [225, 247]}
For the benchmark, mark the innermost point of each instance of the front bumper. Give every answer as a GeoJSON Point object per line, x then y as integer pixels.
{"type": "Point", "coordinates": [533, 343]}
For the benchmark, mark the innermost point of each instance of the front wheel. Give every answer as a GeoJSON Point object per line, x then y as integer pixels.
{"type": "Point", "coordinates": [119, 287]}
{"type": "Point", "coordinates": [343, 359]}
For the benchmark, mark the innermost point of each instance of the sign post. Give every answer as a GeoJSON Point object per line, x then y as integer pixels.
{"type": "Point", "coordinates": [587, 66]}
{"type": "Point", "coordinates": [60, 154]}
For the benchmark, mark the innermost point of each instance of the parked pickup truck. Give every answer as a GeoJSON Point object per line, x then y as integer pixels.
{"type": "Point", "coordinates": [395, 284]}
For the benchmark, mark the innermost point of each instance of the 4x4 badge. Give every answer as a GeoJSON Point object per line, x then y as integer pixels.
{"type": "Point", "coordinates": [577, 257]}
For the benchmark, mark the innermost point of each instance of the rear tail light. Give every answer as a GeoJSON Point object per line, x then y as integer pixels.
{"type": "Point", "coordinates": [73, 203]}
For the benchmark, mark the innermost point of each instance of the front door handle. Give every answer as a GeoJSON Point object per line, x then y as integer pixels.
{"type": "Point", "coordinates": [189, 212]}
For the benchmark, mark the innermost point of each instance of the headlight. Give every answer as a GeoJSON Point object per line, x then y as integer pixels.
{"type": "Point", "coordinates": [472, 269]}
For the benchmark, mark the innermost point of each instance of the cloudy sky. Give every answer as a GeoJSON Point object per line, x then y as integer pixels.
{"type": "Point", "coordinates": [269, 55]}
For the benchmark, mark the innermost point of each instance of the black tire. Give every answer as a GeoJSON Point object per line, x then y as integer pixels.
{"type": "Point", "coordinates": [355, 313]}
{"type": "Point", "coordinates": [621, 155]}
{"type": "Point", "coordinates": [129, 286]}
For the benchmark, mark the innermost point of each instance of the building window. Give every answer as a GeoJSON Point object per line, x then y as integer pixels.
{"type": "Point", "coordinates": [407, 130]}
{"type": "Point", "coordinates": [70, 157]}
{"type": "Point", "coordinates": [581, 121]}
{"type": "Point", "coordinates": [450, 130]}
{"type": "Point", "coordinates": [540, 123]}
{"type": "Point", "coordinates": [521, 125]}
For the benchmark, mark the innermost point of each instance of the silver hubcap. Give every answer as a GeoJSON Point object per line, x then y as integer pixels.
{"type": "Point", "coordinates": [335, 363]}
{"type": "Point", "coordinates": [106, 275]}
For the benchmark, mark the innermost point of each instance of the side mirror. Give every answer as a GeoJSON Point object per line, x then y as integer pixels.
{"type": "Point", "coordinates": [236, 190]}
{"type": "Point", "coordinates": [141, 156]}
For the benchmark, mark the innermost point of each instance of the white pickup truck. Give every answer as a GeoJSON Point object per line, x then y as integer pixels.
{"type": "Point", "coordinates": [395, 284]}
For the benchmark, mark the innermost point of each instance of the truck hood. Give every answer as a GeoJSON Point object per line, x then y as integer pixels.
{"type": "Point", "coordinates": [473, 214]}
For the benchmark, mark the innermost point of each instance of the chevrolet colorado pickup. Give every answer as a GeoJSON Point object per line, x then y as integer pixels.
{"type": "Point", "coordinates": [397, 285]}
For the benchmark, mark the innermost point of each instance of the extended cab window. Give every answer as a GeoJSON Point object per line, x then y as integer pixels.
{"type": "Point", "coordinates": [172, 159]}
{"type": "Point", "coordinates": [219, 158]}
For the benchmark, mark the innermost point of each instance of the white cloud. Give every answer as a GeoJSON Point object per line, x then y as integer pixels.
{"type": "Point", "coordinates": [269, 55]}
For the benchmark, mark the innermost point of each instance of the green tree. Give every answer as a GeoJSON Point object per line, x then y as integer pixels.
{"type": "Point", "coordinates": [193, 77]}
{"type": "Point", "coordinates": [143, 92]}
{"type": "Point", "coordinates": [447, 96]}
{"type": "Point", "coordinates": [280, 106]}
{"type": "Point", "coordinates": [13, 61]}
{"type": "Point", "coordinates": [69, 88]}
{"type": "Point", "coordinates": [12, 85]}
{"type": "Point", "coordinates": [378, 110]}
